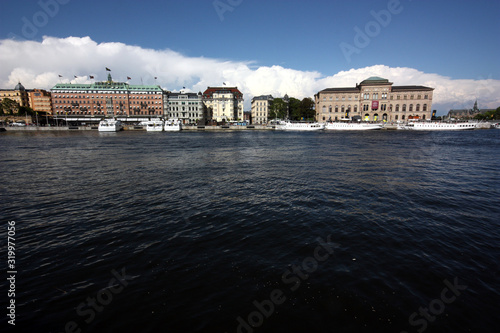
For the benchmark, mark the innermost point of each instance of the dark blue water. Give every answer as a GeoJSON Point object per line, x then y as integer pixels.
{"type": "Point", "coordinates": [384, 231]}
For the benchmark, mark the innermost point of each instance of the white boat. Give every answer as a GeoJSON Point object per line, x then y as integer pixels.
{"type": "Point", "coordinates": [352, 126]}
{"type": "Point", "coordinates": [110, 125]}
{"type": "Point", "coordinates": [437, 126]}
{"type": "Point", "coordinates": [289, 126]}
{"type": "Point", "coordinates": [154, 125]}
{"type": "Point", "coordinates": [172, 125]}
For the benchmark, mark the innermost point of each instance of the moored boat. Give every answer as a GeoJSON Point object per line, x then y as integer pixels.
{"type": "Point", "coordinates": [289, 126]}
{"type": "Point", "coordinates": [437, 126]}
{"type": "Point", "coordinates": [154, 125]}
{"type": "Point", "coordinates": [172, 125]}
{"type": "Point", "coordinates": [110, 125]}
{"type": "Point", "coordinates": [353, 126]}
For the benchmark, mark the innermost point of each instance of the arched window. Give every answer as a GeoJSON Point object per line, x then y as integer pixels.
{"type": "Point", "coordinates": [425, 107]}
{"type": "Point", "coordinates": [336, 108]}
{"type": "Point", "coordinates": [355, 108]}
{"type": "Point", "coordinates": [418, 108]}
{"type": "Point", "coordinates": [330, 109]}
{"type": "Point", "coordinates": [404, 108]}
{"type": "Point", "coordinates": [411, 107]}
{"type": "Point", "coordinates": [397, 107]}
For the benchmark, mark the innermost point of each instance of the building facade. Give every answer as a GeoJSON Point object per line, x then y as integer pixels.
{"type": "Point", "coordinates": [40, 101]}
{"type": "Point", "coordinates": [187, 107]}
{"type": "Point", "coordinates": [374, 99]}
{"type": "Point", "coordinates": [223, 103]}
{"type": "Point", "coordinates": [106, 99]}
{"type": "Point", "coordinates": [18, 95]}
{"type": "Point", "coordinates": [261, 106]}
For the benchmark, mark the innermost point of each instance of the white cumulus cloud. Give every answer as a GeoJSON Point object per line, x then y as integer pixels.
{"type": "Point", "coordinates": [39, 64]}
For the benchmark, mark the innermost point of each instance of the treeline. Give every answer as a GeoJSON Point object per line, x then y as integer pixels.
{"type": "Point", "coordinates": [10, 107]}
{"type": "Point", "coordinates": [490, 115]}
{"type": "Point", "coordinates": [295, 109]}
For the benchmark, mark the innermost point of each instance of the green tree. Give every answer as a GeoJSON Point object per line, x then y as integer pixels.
{"type": "Point", "coordinates": [307, 107]}
{"type": "Point", "coordinates": [9, 106]}
{"type": "Point", "coordinates": [24, 110]}
{"type": "Point", "coordinates": [277, 109]}
{"type": "Point", "coordinates": [294, 107]}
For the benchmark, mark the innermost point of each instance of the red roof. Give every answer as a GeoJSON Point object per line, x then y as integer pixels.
{"type": "Point", "coordinates": [222, 90]}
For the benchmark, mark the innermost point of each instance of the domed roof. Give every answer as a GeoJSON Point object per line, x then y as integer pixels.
{"type": "Point", "coordinates": [19, 86]}
{"type": "Point", "coordinates": [374, 79]}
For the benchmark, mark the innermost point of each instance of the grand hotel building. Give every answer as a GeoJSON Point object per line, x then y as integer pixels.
{"type": "Point", "coordinates": [108, 98]}
{"type": "Point", "coordinates": [374, 99]}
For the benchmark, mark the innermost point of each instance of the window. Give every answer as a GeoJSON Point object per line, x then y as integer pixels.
{"type": "Point", "coordinates": [418, 108]}
{"type": "Point", "coordinates": [397, 107]}
{"type": "Point", "coordinates": [411, 107]}
{"type": "Point", "coordinates": [404, 108]}
{"type": "Point", "coordinates": [425, 107]}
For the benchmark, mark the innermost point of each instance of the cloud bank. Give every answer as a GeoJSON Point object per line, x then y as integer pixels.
{"type": "Point", "coordinates": [39, 64]}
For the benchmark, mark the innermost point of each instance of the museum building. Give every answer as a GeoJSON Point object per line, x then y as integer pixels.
{"type": "Point", "coordinates": [374, 99]}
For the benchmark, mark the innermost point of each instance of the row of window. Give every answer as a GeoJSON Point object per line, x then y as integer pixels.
{"type": "Point", "coordinates": [383, 107]}
{"type": "Point", "coordinates": [102, 102]}
{"type": "Point", "coordinates": [176, 108]}
{"type": "Point", "coordinates": [116, 97]}
{"type": "Point", "coordinates": [375, 96]}
{"type": "Point", "coordinates": [376, 117]}
{"type": "Point", "coordinates": [95, 107]}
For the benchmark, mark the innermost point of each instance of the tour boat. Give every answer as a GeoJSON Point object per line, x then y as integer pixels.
{"type": "Point", "coordinates": [437, 126]}
{"type": "Point", "coordinates": [172, 125]}
{"type": "Point", "coordinates": [154, 125]}
{"type": "Point", "coordinates": [352, 126]}
{"type": "Point", "coordinates": [110, 125]}
{"type": "Point", "coordinates": [289, 126]}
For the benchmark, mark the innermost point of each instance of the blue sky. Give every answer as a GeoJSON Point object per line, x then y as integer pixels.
{"type": "Point", "coordinates": [458, 40]}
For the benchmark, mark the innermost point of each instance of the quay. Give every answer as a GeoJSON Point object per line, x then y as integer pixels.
{"type": "Point", "coordinates": [387, 127]}
{"type": "Point", "coordinates": [141, 128]}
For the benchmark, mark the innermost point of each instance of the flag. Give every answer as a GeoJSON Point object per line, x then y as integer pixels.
{"type": "Point", "coordinates": [109, 70]}
{"type": "Point", "coordinates": [129, 78]}
{"type": "Point", "coordinates": [224, 83]}
{"type": "Point", "coordinates": [91, 76]}
{"type": "Point", "coordinates": [60, 75]}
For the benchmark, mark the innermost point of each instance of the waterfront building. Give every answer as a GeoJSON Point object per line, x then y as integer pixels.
{"type": "Point", "coordinates": [40, 101]}
{"type": "Point", "coordinates": [374, 99]}
{"type": "Point", "coordinates": [18, 95]}
{"type": "Point", "coordinates": [260, 108]}
{"type": "Point", "coordinates": [187, 107]}
{"type": "Point", "coordinates": [465, 114]}
{"type": "Point", "coordinates": [107, 99]}
{"type": "Point", "coordinates": [223, 103]}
